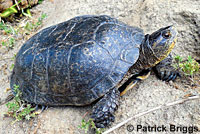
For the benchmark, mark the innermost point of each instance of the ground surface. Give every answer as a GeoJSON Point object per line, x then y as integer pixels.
{"type": "Point", "coordinates": [148, 15]}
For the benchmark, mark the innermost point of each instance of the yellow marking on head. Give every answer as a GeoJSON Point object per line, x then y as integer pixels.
{"type": "Point", "coordinates": [154, 44]}
{"type": "Point", "coordinates": [144, 76]}
{"type": "Point", "coordinates": [171, 46]}
{"type": "Point", "coordinates": [168, 51]}
{"type": "Point", "coordinates": [131, 85]}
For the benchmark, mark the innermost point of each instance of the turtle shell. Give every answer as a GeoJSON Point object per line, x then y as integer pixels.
{"type": "Point", "coordinates": [77, 61]}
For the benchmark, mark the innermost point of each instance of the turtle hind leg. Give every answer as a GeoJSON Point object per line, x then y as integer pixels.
{"type": "Point", "coordinates": [165, 71]}
{"type": "Point", "coordinates": [103, 111]}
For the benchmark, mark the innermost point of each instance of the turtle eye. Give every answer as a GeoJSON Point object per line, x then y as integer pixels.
{"type": "Point", "coordinates": [166, 34]}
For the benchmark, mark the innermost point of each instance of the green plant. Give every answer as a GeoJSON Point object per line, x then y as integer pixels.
{"type": "Point", "coordinates": [11, 32]}
{"type": "Point", "coordinates": [9, 11]}
{"type": "Point", "coordinates": [40, 19]}
{"type": "Point", "coordinates": [189, 67]}
{"type": "Point", "coordinates": [27, 13]}
{"type": "Point", "coordinates": [14, 56]}
{"type": "Point", "coordinates": [18, 109]}
{"type": "Point", "coordinates": [30, 26]}
{"type": "Point", "coordinates": [13, 65]}
{"type": "Point", "coordinates": [12, 10]}
{"type": "Point", "coordinates": [9, 43]}
{"type": "Point", "coordinates": [40, 1]}
{"type": "Point", "coordinates": [86, 125]}
{"type": "Point", "coordinates": [4, 43]}
{"type": "Point", "coordinates": [7, 29]}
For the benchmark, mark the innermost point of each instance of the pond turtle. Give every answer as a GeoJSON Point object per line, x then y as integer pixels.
{"type": "Point", "coordinates": [84, 59]}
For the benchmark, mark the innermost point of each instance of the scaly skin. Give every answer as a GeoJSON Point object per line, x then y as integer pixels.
{"type": "Point", "coordinates": [103, 111]}
{"type": "Point", "coordinates": [165, 71]}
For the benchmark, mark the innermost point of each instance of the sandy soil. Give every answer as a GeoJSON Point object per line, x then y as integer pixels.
{"type": "Point", "coordinates": [148, 15]}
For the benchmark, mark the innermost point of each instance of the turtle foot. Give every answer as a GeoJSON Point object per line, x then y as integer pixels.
{"type": "Point", "coordinates": [103, 111]}
{"type": "Point", "coordinates": [165, 71]}
{"type": "Point", "coordinates": [43, 108]}
{"type": "Point", "coordinates": [170, 75]}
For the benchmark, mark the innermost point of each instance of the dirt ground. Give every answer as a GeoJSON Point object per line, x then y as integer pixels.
{"type": "Point", "coordinates": [146, 14]}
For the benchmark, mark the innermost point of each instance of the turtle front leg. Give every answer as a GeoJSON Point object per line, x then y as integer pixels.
{"type": "Point", "coordinates": [103, 111]}
{"type": "Point", "coordinates": [165, 71]}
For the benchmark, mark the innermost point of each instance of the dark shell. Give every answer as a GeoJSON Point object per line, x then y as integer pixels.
{"type": "Point", "coordinates": [77, 61]}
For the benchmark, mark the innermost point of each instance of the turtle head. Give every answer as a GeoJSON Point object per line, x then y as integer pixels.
{"type": "Point", "coordinates": [162, 42]}
{"type": "Point", "coordinates": [158, 45]}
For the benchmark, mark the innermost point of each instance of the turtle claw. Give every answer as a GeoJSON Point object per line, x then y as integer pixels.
{"type": "Point", "coordinates": [169, 76]}
{"type": "Point", "coordinates": [173, 75]}
{"type": "Point", "coordinates": [165, 71]}
{"type": "Point", "coordinates": [43, 108]}
{"type": "Point", "coordinates": [36, 108]}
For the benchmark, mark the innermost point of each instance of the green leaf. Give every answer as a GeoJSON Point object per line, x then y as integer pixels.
{"type": "Point", "coordinates": [178, 58]}
{"type": "Point", "coordinates": [11, 42]}
{"type": "Point", "coordinates": [4, 43]}
{"type": "Point", "coordinates": [40, 1]}
{"type": "Point", "coordinates": [27, 14]}
{"type": "Point", "coordinates": [8, 12]}
{"type": "Point", "coordinates": [189, 58]}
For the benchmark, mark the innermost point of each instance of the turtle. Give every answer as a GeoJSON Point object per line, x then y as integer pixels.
{"type": "Point", "coordinates": [83, 61]}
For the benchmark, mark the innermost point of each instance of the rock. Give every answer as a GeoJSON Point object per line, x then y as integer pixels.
{"type": "Point", "coordinates": [5, 4]}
